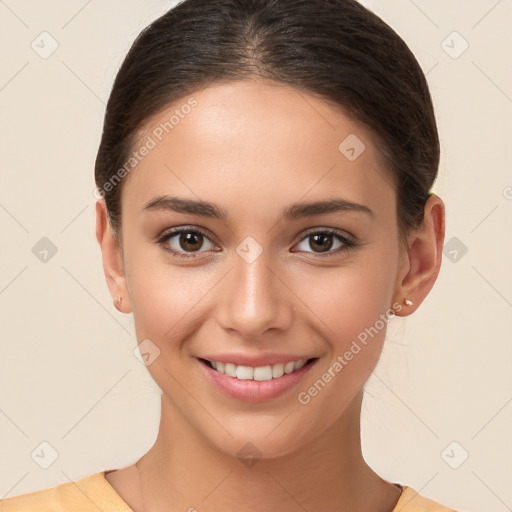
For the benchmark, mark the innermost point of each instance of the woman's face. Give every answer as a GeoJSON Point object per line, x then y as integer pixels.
{"type": "Point", "coordinates": [255, 282]}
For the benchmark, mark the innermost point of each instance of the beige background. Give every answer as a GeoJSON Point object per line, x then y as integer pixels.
{"type": "Point", "coordinates": [68, 375]}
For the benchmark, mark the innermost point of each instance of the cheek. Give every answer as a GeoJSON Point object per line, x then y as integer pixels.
{"type": "Point", "coordinates": [346, 300]}
{"type": "Point", "coordinates": [166, 305]}
{"type": "Point", "coordinates": [350, 309]}
{"type": "Point", "coordinates": [165, 298]}
{"type": "Point", "coordinates": [353, 315]}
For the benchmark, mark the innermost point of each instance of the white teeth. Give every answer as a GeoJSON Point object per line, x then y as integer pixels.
{"type": "Point", "coordinates": [263, 373]}
{"type": "Point", "coordinates": [288, 367]}
{"type": "Point", "coordinates": [278, 370]}
{"type": "Point", "coordinates": [244, 372]}
{"type": "Point", "coordinates": [230, 369]}
{"type": "Point", "coordinates": [299, 364]}
{"type": "Point", "coordinates": [260, 372]}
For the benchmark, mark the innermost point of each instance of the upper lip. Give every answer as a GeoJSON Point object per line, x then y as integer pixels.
{"type": "Point", "coordinates": [256, 360]}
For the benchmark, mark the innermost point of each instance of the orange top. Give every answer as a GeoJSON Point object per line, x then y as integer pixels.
{"type": "Point", "coordinates": [94, 492]}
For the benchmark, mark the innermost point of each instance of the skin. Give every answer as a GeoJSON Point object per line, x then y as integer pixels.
{"type": "Point", "coordinates": [254, 148]}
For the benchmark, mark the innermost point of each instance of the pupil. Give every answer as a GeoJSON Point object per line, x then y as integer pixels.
{"type": "Point", "coordinates": [322, 237]}
{"type": "Point", "coordinates": [189, 239]}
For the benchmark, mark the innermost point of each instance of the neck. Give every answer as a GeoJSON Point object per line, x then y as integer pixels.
{"type": "Point", "coordinates": [328, 473]}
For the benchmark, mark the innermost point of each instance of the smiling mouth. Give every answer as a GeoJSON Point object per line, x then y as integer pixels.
{"type": "Point", "coordinates": [259, 373]}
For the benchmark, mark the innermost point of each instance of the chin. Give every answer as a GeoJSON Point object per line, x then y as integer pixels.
{"type": "Point", "coordinates": [258, 442]}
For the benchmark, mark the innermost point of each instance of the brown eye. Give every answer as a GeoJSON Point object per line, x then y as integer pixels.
{"type": "Point", "coordinates": [190, 241]}
{"type": "Point", "coordinates": [322, 241]}
{"type": "Point", "coordinates": [184, 242]}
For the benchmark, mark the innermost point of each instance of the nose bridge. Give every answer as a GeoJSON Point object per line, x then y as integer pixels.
{"type": "Point", "coordinates": [253, 298]}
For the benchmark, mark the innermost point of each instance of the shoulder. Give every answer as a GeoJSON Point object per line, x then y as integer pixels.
{"type": "Point", "coordinates": [412, 501]}
{"type": "Point", "coordinates": [89, 494]}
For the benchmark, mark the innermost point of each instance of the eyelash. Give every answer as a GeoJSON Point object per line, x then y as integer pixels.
{"type": "Point", "coordinates": [348, 243]}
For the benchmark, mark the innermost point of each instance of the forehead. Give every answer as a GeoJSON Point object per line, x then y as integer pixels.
{"type": "Point", "coordinates": [249, 143]}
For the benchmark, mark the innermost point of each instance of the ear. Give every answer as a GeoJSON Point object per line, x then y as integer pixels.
{"type": "Point", "coordinates": [113, 261]}
{"type": "Point", "coordinates": [422, 259]}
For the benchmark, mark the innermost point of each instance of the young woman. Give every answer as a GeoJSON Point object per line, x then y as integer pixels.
{"type": "Point", "coordinates": [264, 210]}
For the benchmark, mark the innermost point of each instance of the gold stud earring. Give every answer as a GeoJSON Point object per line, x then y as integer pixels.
{"type": "Point", "coordinates": [408, 302]}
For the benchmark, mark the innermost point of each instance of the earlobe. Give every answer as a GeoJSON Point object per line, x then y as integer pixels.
{"type": "Point", "coordinates": [117, 302]}
{"type": "Point", "coordinates": [113, 264]}
{"type": "Point", "coordinates": [423, 258]}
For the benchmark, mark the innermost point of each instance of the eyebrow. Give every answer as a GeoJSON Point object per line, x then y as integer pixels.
{"type": "Point", "coordinates": [295, 211]}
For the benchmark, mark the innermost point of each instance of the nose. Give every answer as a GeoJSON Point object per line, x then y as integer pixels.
{"type": "Point", "coordinates": [255, 299]}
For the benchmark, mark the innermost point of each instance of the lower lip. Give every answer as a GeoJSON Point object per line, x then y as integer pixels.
{"type": "Point", "coordinates": [255, 390]}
